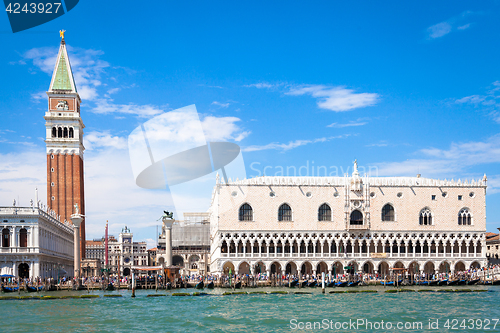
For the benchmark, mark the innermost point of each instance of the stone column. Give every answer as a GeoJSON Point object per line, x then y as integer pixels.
{"type": "Point", "coordinates": [168, 240]}
{"type": "Point", "coordinates": [77, 220]}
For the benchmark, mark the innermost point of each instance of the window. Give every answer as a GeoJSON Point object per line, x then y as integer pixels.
{"type": "Point", "coordinates": [460, 197]}
{"type": "Point", "coordinates": [433, 197]}
{"type": "Point", "coordinates": [54, 132]}
{"type": "Point", "coordinates": [23, 238]}
{"type": "Point", "coordinates": [246, 213]}
{"type": "Point", "coordinates": [284, 213]}
{"type": "Point", "coordinates": [425, 217]}
{"type": "Point", "coordinates": [356, 218]}
{"type": "Point", "coordinates": [324, 213]}
{"type": "Point", "coordinates": [65, 132]}
{"type": "Point", "coordinates": [5, 237]}
{"type": "Point", "coordinates": [71, 132]}
{"type": "Point", "coordinates": [388, 213]}
{"type": "Point", "coordinates": [59, 132]}
{"type": "Point", "coordinates": [464, 217]}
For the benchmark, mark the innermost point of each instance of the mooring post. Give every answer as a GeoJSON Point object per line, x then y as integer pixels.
{"type": "Point", "coordinates": [133, 284]}
{"type": "Point", "coordinates": [323, 282]}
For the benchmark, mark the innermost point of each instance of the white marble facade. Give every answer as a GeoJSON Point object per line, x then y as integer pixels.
{"type": "Point", "coordinates": [34, 243]}
{"type": "Point", "coordinates": [325, 224]}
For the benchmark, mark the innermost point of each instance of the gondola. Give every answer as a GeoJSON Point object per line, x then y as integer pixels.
{"type": "Point", "coordinates": [462, 282]}
{"type": "Point", "coordinates": [31, 289]}
{"type": "Point", "coordinates": [452, 282]}
{"type": "Point", "coordinates": [474, 281]}
{"type": "Point", "coordinates": [237, 285]}
{"type": "Point", "coordinates": [311, 284]}
{"type": "Point", "coordinates": [331, 284]}
{"type": "Point", "coordinates": [353, 283]}
{"type": "Point", "coordinates": [110, 287]}
{"type": "Point", "coordinates": [433, 282]}
{"type": "Point", "coordinates": [341, 284]}
{"type": "Point", "coordinates": [303, 284]}
{"type": "Point", "coordinates": [9, 289]}
{"type": "Point", "coordinates": [294, 283]}
{"type": "Point", "coordinates": [496, 282]}
{"type": "Point", "coordinates": [168, 286]}
{"type": "Point", "coordinates": [210, 285]}
{"type": "Point", "coordinates": [200, 285]}
{"type": "Point", "coordinates": [443, 282]}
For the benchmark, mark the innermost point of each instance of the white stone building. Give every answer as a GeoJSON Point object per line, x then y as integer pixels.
{"type": "Point", "coordinates": [128, 253]}
{"type": "Point", "coordinates": [327, 224]}
{"type": "Point", "coordinates": [35, 243]}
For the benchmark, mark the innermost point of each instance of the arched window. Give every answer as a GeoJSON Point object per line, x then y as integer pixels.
{"type": "Point", "coordinates": [65, 132]}
{"type": "Point", "coordinates": [23, 238]}
{"type": "Point", "coordinates": [5, 237]}
{"type": "Point", "coordinates": [388, 213]}
{"type": "Point", "coordinates": [194, 266]}
{"type": "Point", "coordinates": [425, 217]}
{"type": "Point", "coordinates": [356, 218]}
{"type": "Point", "coordinates": [59, 132]}
{"type": "Point", "coordinates": [246, 213]}
{"type": "Point", "coordinates": [71, 132]}
{"type": "Point", "coordinates": [324, 213]}
{"type": "Point", "coordinates": [284, 213]}
{"type": "Point", "coordinates": [464, 217]}
{"type": "Point", "coordinates": [54, 132]}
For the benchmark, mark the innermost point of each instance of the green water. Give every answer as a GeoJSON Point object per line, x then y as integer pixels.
{"type": "Point", "coordinates": [255, 312]}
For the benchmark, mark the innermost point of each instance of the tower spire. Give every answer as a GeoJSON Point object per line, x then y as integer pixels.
{"type": "Point", "coordinates": [62, 77]}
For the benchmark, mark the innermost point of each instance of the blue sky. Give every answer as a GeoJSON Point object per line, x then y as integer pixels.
{"type": "Point", "coordinates": [403, 88]}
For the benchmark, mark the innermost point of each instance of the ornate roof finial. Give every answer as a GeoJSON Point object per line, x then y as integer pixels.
{"type": "Point", "coordinates": [61, 34]}
{"type": "Point", "coordinates": [355, 172]}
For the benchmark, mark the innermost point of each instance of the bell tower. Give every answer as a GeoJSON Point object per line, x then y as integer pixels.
{"type": "Point", "coordinates": [64, 141]}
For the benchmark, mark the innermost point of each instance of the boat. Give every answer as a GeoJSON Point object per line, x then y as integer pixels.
{"type": "Point", "coordinates": [293, 283]}
{"type": "Point", "coordinates": [169, 286]}
{"type": "Point", "coordinates": [443, 282]}
{"type": "Point", "coordinates": [32, 289]}
{"type": "Point", "coordinates": [474, 281]}
{"type": "Point", "coordinates": [433, 282]}
{"type": "Point", "coordinates": [311, 284]}
{"type": "Point", "coordinates": [200, 285]}
{"type": "Point", "coordinates": [496, 282]}
{"type": "Point", "coordinates": [9, 289]}
{"type": "Point", "coordinates": [110, 287]}
{"type": "Point", "coordinates": [452, 282]}
{"type": "Point", "coordinates": [210, 285]}
{"type": "Point", "coordinates": [341, 284]}
{"type": "Point", "coordinates": [303, 283]}
{"type": "Point", "coordinates": [353, 283]}
{"type": "Point", "coordinates": [237, 285]}
{"type": "Point", "coordinates": [462, 282]}
{"type": "Point", "coordinates": [331, 284]}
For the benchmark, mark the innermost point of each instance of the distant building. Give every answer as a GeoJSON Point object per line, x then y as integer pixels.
{"type": "Point", "coordinates": [190, 244]}
{"type": "Point", "coordinates": [128, 253]}
{"type": "Point", "coordinates": [492, 247]}
{"type": "Point", "coordinates": [35, 243]}
{"type": "Point", "coordinates": [94, 249]}
{"type": "Point", "coordinates": [152, 256]}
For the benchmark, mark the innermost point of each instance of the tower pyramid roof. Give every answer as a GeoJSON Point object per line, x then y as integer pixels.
{"type": "Point", "coordinates": [62, 78]}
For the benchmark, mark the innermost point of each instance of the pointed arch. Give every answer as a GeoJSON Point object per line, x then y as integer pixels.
{"type": "Point", "coordinates": [285, 213]}
{"type": "Point", "coordinates": [425, 216]}
{"type": "Point", "coordinates": [464, 217]}
{"type": "Point", "coordinates": [246, 212]}
{"type": "Point", "coordinates": [388, 213]}
{"type": "Point", "coordinates": [324, 213]}
{"type": "Point", "coordinates": [71, 132]}
{"type": "Point", "coordinates": [356, 217]}
{"type": "Point", "coordinates": [54, 132]}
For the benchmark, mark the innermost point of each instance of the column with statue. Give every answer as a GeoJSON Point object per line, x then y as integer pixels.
{"type": "Point", "coordinates": [76, 219]}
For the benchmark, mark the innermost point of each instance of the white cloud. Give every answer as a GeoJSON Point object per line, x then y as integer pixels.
{"type": "Point", "coordinates": [336, 98]}
{"type": "Point", "coordinates": [444, 28]}
{"type": "Point", "coordinates": [263, 85]}
{"type": "Point", "coordinates": [95, 140]}
{"type": "Point", "coordinates": [106, 106]}
{"type": "Point", "coordinates": [291, 144]}
{"type": "Point", "coordinates": [223, 129]}
{"type": "Point", "coordinates": [488, 101]}
{"type": "Point", "coordinates": [439, 30]}
{"type": "Point", "coordinates": [349, 124]}
{"type": "Point", "coordinates": [222, 105]}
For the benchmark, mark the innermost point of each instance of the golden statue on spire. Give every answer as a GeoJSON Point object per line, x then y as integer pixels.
{"type": "Point", "coordinates": [61, 33]}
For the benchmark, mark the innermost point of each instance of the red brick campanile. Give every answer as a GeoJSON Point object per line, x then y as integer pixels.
{"type": "Point", "coordinates": [64, 140]}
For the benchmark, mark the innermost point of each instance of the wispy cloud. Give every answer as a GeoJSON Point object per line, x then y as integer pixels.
{"type": "Point", "coordinates": [443, 28]}
{"type": "Point", "coordinates": [291, 145]}
{"type": "Point", "coordinates": [222, 105]}
{"type": "Point", "coordinates": [104, 139]}
{"type": "Point", "coordinates": [264, 85]}
{"type": "Point", "coordinates": [489, 101]}
{"type": "Point", "coordinates": [223, 129]}
{"type": "Point", "coordinates": [349, 124]}
{"type": "Point", "coordinates": [336, 99]}
{"type": "Point", "coordinates": [107, 106]}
